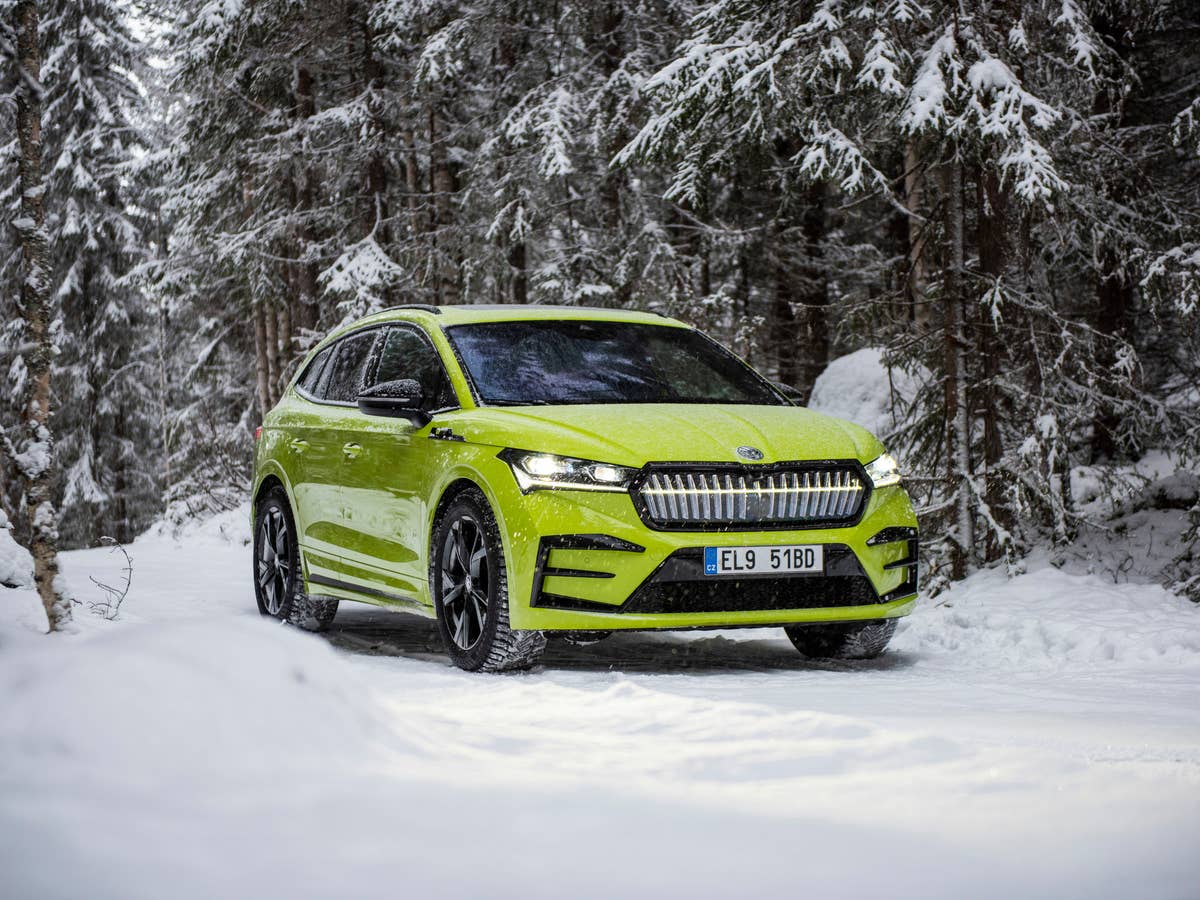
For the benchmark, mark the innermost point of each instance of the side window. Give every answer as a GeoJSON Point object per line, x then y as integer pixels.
{"type": "Point", "coordinates": [348, 367]}
{"type": "Point", "coordinates": [408, 354]}
{"type": "Point", "coordinates": [312, 375]}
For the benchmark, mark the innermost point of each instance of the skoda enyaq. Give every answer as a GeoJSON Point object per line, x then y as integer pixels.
{"type": "Point", "coordinates": [517, 471]}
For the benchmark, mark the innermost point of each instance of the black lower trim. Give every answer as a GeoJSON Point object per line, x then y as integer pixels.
{"type": "Point", "coordinates": [892, 534]}
{"type": "Point", "coordinates": [574, 604]}
{"type": "Point", "coordinates": [360, 589]}
{"type": "Point", "coordinates": [576, 573]}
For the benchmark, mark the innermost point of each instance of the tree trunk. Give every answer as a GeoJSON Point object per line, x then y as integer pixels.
{"type": "Point", "coordinates": [509, 44]}
{"type": "Point", "coordinates": [958, 420]}
{"type": "Point", "coordinates": [262, 368]}
{"type": "Point", "coordinates": [914, 195]}
{"type": "Point", "coordinates": [375, 210]}
{"type": "Point", "coordinates": [784, 327]}
{"type": "Point", "coordinates": [164, 408]}
{"type": "Point", "coordinates": [287, 348]}
{"type": "Point", "coordinates": [306, 303]}
{"type": "Point", "coordinates": [993, 201]}
{"type": "Point", "coordinates": [270, 349]}
{"type": "Point", "coordinates": [1115, 295]}
{"type": "Point", "coordinates": [815, 291]}
{"type": "Point", "coordinates": [260, 360]}
{"type": "Point", "coordinates": [121, 531]}
{"type": "Point", "coordinates": [444, 185]}
{"type": "Point", "coordinates": [520, 278]}
{"type": "Point", "coordinates": [412, 184]}
{"type": "Point", "coordinates": [1114, 287]}
{"type": "Point", "coordinates": [35, 462]}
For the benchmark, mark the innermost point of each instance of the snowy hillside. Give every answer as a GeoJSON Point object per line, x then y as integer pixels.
{"type": "Point", "coordinates": [1034, 737]}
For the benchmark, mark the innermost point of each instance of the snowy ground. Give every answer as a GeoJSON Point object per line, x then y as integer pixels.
{"type": "Point", "coordinates": [1038, 737]}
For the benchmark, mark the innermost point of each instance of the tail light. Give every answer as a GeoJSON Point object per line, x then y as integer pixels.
{"type": "Point", "coordinates": [257, 433]}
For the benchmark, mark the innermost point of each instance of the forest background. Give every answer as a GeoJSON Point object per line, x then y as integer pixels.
{"type": "Point", "coordinates": [1002, 196]}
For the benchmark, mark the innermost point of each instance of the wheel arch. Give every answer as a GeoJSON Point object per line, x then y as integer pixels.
{"type": "Point", "coordinates": [269, 476]}
{"type": "Point", "coordinates": [456, 483]}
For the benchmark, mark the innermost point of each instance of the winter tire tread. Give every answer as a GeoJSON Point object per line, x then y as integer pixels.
{"type": "Point", "coordinates": [505, 649]}
{"type": "Point", "coordinates": [298, 607]}
{"type": "Point", "coordinates": [846, 640]}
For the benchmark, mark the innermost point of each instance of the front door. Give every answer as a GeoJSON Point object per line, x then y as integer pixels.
{"type": "Point", "coordinates": [386, 488]}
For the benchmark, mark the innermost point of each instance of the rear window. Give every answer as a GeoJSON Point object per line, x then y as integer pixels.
{"type": "Point", "coordinates": [348, 367]}
{"type": "Point", "coordinates": [311, 378]}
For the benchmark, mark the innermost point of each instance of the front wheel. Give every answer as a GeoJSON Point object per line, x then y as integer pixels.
{"type": "Point", "coordinates": [845, 640]}
{"type": "Point", "coordinates": [278, 580]}
{"type": "Point", "coordinates": [469, 584]}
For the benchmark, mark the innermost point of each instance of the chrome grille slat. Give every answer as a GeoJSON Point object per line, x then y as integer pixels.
{"type": "Point", "coordinates": [796, 493]}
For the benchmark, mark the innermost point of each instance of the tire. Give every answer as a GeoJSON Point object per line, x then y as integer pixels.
{"type": "Point", "coordinates": [278, 574]}
{"type": "Point", "coordinates": [850, 640]}
{"type": "Point", "coordinates": [469, 584]}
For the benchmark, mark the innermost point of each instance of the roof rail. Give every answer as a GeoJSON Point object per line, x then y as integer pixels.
{"type": "Point", "coordinates": [424, 307]}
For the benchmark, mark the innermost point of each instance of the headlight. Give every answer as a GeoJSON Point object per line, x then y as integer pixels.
{"type": "Point", "coordinates": [884, 471]}
{"type": "Point", "coordinates": [543, 471]}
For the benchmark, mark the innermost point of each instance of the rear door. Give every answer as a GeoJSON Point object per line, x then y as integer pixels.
{"type": "Point", "coordinates": [312, 466]}
{"type": "Point", "coordinates": [333, 446]}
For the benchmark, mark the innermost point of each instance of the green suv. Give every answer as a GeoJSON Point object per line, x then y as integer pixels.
{"type": "Point", "coordinates": [519, 471]}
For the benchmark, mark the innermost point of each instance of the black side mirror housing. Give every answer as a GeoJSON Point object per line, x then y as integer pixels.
{"type": "Point", "coordinates": [400, 399]}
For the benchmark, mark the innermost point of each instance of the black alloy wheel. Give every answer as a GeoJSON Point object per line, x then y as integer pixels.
{"type": "Point", "coordinates": [469, 585]}
{"type": "Point", "coordinates": [278, 574]}
{"type": "Point", "coordinates": [273, 561]}
{"type": "Point", "coordinates": [465, 584]}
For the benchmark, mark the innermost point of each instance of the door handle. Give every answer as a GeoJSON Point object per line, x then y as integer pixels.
{"type": "Point", "coordinates": [351, 450]}
{"type": "Point", "coordinates": [298, 445]}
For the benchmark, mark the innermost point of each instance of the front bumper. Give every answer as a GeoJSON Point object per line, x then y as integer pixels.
{"type": "Point", "coordinates": [587, 562]}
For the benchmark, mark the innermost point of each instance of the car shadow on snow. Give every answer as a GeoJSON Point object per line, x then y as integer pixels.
{"type": "Point", "coordinates": [377, 632]}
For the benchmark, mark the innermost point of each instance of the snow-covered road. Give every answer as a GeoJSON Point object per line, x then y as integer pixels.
{"type": "Point", "coordinates": [1037, 738]}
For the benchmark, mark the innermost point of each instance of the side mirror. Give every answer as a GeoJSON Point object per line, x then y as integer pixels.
{"type": "Point", "coordinates": [401, 399]}
{"type": "Point", "coordinates": [790, 392]}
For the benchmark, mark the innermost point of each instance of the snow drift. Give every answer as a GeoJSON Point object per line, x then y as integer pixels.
{"type": "Point", "coordinates": [1027, 737]}
{"type": "Point", "coordinates": [859, 387]}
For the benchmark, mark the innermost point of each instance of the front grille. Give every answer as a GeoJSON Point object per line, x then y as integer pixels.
{"type": "Point", "coordinates": [796, 495]}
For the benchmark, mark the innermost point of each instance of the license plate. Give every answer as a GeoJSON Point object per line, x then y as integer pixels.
{"type": "Point", "coordinates": [786, 560]}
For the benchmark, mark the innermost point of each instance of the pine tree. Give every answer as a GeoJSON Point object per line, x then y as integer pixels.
{"type": "Point", "coordinates": [92, 108]}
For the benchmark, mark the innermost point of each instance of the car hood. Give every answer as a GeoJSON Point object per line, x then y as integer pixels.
{"type": "Point", "coordinates": [636, 434]}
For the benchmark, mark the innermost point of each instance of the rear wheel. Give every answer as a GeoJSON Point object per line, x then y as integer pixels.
{"type": "Point", "coordinates": [846, 640]}
{"type": "Point", "coordinates": [278, 579]}
{"type": "Point", "coordinates": [469, 584]}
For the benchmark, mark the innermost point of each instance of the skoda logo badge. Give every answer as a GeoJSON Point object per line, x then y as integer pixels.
{"type": "Point", "coordinates": [749, 453]}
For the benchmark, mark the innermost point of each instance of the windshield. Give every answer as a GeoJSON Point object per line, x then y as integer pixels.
{"type": "Point", "coordinates": [562, 362]}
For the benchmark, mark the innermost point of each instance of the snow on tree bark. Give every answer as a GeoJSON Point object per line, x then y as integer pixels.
{"type": "Point", "coordinates": [35, 455]}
